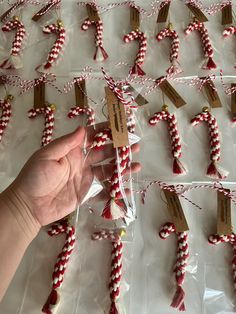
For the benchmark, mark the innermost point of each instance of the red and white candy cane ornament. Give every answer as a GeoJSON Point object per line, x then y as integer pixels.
{"type": "Point", "coordinates": [181, 262]}
{"type": "Point", "coordinates": [213, 170]}
{"type": "Point", "coordinates": [61, 264]}
{"type": "Point", "coordinates": [206, 43]}
{"type": "Point", "coordinates": [115, 207]}
{"type": "Point", "coordinates": [174, 51]}
{"type": "Point", "coordinates": [57, 49]}
{"type": "Point", "coordinates": [230, 31]}
{"type": "Point", "coordinates": [116, 264]}
{"type": "Point", "coordinates": [5, 105]}
{"type": "Point", "coordinates": [48, 112]}
{"type": "Point", "coordinates": [141, 37]}
{"type": "Point", "coordinates": [231, 239]}
{"type": "Point", "coordinates": [100, 53]}
{"type": "Point", "coordinates": [14, 61]}
{"type": "Point", "coordinates": [176, 147]}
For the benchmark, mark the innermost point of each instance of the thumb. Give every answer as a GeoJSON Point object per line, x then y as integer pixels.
{"type": "Point", "coordinates": [63, 145]}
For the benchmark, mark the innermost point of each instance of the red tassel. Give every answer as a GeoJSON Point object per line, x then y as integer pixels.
{"type": "Point", "coordinates": [178, 168]}
{"type": "Point", "coordinates": [210, 64]}
{"type": "Point", "coordinates": [51, 302]}
{"type": "Point", "coordinates": [113, 309]}
{"type": "Point", "coordinates": [100, 54]}
{"type": "Point", "coordinates": [136, 70]}
{"type": "Point", "coordinates": [178, 300]}
{"type": "Point", "coordinates": [213, 171]}
{"type": "Point", "coordinates": [114, 209]}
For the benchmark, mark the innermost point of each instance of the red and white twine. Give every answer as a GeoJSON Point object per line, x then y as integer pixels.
{"type": "Point", "coordinates": [213, 170]}
{"type": "Point", "coordinates": [116, 264]}
{"type": "Point", "coordinates": [174, 51]}
{"type": "Point", "coordinates": [230, 31]}
{"type": "Point", "coordinates": [231, 239]}
{"type": "Point", "coordinates": [14, 61]}
{"type": "Point", "coordinates": [78, 111]}
{"type": "Point", "coordinates": [206, 43]}
{"type": "Point", "coordinates": [5, 105]}
{"type": "Point", "coordinates": [100, 53]}
{"type": "Point", "coordinates": [57, 49]}
{"type": "Point", "coordinates": [181, 262]}
{"type": "Point", "coordinates": [61, 264]}
{"type": "Point", "coordinates": [48, 112]}
{"type": "Point", "coordinates": [141, 37]}
{"type": "Point", "coordinates": [176, 147]}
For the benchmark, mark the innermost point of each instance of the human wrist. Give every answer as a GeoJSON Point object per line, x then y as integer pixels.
{"type": "Point", "coordinates": [11, 203]}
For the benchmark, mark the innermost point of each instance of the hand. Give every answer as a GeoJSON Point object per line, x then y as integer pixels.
{"type": "Point", "coordinates": [56, 178]}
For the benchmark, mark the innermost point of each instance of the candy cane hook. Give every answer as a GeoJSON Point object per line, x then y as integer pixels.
{"type": "Point", "coordinates": [100, 53]}
{"type": "Point", "coordinates": [48, 111]}
{"type": "Point", "coordinates": [206, 43]}
{"type": "Point", "coordinates": [181, 262]}
{"type": "Point", "coordinates": [231, 239]}
{"type": "Point", "coordinates": [5, 105]}
{"type": "Point", "coordinates": [141, 37]}
{"type": "Point", "coordinates": [14, 61]}
{"type": "Point", "coordinates": [213, 170]}
{"type": "Point", "coordinates": [230, 31]}
{"type": "Point", "coordinates": [57, 49]}
{"type": "Point", "coordinates": [61, 264]}
{"type": "Point", "coordinates": [174, 51]}
{"type": "Point", "coordinates": [176, 147]}
{"type": "Point", "coordinates": [116, 264]}
{"type": "Point", "coordinates": [78, 111]}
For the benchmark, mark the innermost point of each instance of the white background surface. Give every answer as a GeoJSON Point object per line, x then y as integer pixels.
{"type": "Point", "coordinates": [148, 283]}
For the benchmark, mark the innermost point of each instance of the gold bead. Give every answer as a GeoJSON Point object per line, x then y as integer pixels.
{"type": "Point", "coordinates": [16, 18]}
{"type": "Point", "coordinates": [9, 97]}
{"type": "Point", "coordinates": [60, 23]}
{"type": "Point", "coordinates": [205, 109]}
{"type": "Point", "coordinates": [165, 108]}
{"type": "Point", "coordinates": [170, 26]}
{"type": "Point", "coordinates": [53, 107]}
{"type": "Point", "coordinates": [122, 232]}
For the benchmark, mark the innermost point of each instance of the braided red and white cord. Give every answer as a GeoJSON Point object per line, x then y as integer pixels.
{"type": "Point", "coordinates": [100, 53]}
{"type": "Point", "coordinates": [78, 111]}
{"type": "Point", "coordinates": [213, 170]}
{"type": "Point", "coordinates": [57, 49]}
{"type": "Point", "coordinates": [206, 43]}
{"type": "Point", "coordinates": [5, 105]}
{"type": "Point", "coordinates": [116, 264]}
{"type": "Point", "coordinates": [230, 31]}
{"type": "Point", "coordinates": [115, 207]}
{"type": "Point", "coordinates": [141, 37]}
{"type": "Point", "coordinates": [231, 239]}
{"type": "Point", "coordinates": [181, 262]}
{"type": "Point", "coordinates": [48, 112]}
{"type": "Point", "coordinates": [61, 264]}
{"type": "Point", "coordinates": [176, 147]}
{"type": "Point", "coordinates": [174, 51]}
{"type": "Point", "coordinates": [14, 61]}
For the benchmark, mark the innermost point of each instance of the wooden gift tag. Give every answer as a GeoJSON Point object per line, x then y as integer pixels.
{"type": "Point", "coordinates": [163, 12]}
{"type": "Point", "coordinates": [233, 101]}
{"type": "Point", "coordinates": [134, 18]}
{"type": "Point", "coordinates": [41, 12]}
{"type": "Point", "coordinates": [92, 13]}
{"type": "Point", "coordinates": [117, 119]}
{"type": "Point", "coordinates": [81, 94]}
{"type": "Point", "coordinates": [224, 224]}
{"type": "Point", "coordinates": [227, 15]}
{"type": "Point", "coordinates": [172, 94]}
{"type": "Point", "coordinates": [3, 16]}
{"type": "Point", "coordinates": [176, 211]}
{"type": "Point", "coordinates": [39, 95]}
{"type": "Point", "coordinates": [212, 95]}
{"type": "Point", "coordinates": [198, 14]}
